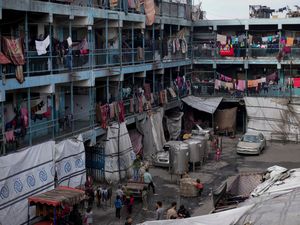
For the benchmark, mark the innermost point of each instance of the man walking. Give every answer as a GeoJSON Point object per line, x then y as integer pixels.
{"type": "Point", "coordinates": [149, 181]}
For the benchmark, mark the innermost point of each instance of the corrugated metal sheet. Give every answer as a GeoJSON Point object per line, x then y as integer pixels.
{"type": "Point", "coordinates": [208, 105]}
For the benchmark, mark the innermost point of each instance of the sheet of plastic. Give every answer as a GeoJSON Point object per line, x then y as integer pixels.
{"type": "Point", "coordinates": [208, 105]}
{"type": "Point", "coordinates": [24, 173]}
{"type": "Point", "coordinates": [174, 125]}
{"type": "Point", "coordinates": [119, 153]}
{"type": "Point", "coordinates": [70, 162]}
{"type": "Point", "coordinates": [276, 118]}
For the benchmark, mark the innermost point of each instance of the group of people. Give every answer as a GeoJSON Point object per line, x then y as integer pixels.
{"type": "Point", "coordinates": [172, 212]}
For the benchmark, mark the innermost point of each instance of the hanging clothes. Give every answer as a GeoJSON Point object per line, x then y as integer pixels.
{"type": "Point", "coordinates": [140, 104]}
{"type": "Point", "coordinates": [111, 110]}
{"type": "Point", "coordinates": [140, 54]}
{"type": "Point", "coordinates": [41, 46]}
{"type": "Point", "coordinates": [121, 111]}
{"type": "Point", "coordinates": [69, 41]}
{"type": "Point", "coordinates": [13, 50]}
{"type": "Point", "coordinates": [289, 41]}
{"type": "Point", "coordinates": [149, 12]}
{"type": "Point", "coordinates": [84, 47]}
{"type": "Point", "coordinates": [225, 78]}
{"type": "Point", "coordinates": [241, 85]}
{"type": "Point", "coordinates": [217, 84]}
{"type": "Point", "coordinates": [3, 59]}
{"type": "Point", "coordinates": [183, 46]}
{"type": "Point", "coordinates": [147, 91]}
{"type": "Point", "coordinates": [296, 82]}
{"type": "Point", "coordinates": [24, 116]}
{"type": "Point", "coordinates": [131, 108]}
{"type": "Point", "coordinates": [104, 114]}
{"type": "Point", "coordinates": [229, 86]}
{"type": "Point", "coordinates": [179, 82]}
{"type": "Point", "coordinates": [172, 92]}
{"type": "Point", "coordinates": [177, 44]}
{"type": "Point", "coordinates": [10, 136]}
{"type": "Point", "coordinates": [222, 39]}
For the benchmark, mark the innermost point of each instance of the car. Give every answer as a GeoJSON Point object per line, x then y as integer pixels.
{"type": "Point", "coordinates": [162, 159]}
{"type": "Point", "coordinates": [251, 143]}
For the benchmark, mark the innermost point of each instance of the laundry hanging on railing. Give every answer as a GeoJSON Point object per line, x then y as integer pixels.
{"type": "Point", "coordinates": [149, 12]}
{"type": "Point", "coordinates": [13, 50]}
{"type": "Point", "coordinates": [41, 46]}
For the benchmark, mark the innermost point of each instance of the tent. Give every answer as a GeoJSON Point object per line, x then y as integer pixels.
{"type": "Point", "coordinates": [208, 105]}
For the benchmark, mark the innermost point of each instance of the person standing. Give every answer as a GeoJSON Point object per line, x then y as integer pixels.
{"type": "Point", "coordinates": [136, 165]}
{"type": "Point", "coordinates": [88, 217]}
{"type": "Point", "coordinates": [118, 206]}
{"type": "Point", "coordinates": [149, 181]}
{"type": "Point", "coordinates": [130, 204]}
{"type": "Point", "coordinates": [199, 187]}
{"type": "Point", "coordinates": [145, 198]}
{"type": "Point", "coordinates": [159, 211]}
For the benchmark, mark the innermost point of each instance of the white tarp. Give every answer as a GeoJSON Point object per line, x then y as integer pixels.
{"type": "Point", "coordinates": [153, 133]}
{"type": "Point", "coordinates": [208, 105]}
{"type": "Point", "coordinates": [174, 125]}
{"type": "Point", "coordinates": [24, 173]}
{"type": "Point", "coordinates": [276, 118]}
{"type": "Point", "coordinates": [117, 135]}
{"type": "Point", "coordinates": [229, 217]}
{"type": "Point", "coordinates": [70, 162]}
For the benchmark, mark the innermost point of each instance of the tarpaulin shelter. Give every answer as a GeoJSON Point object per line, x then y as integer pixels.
{"type": "Point", "coordinates": [226, 120]}
{"type": "Point", "coordinates": [174, 125]}
{"type": "Point", "coordinates": [276, 118]}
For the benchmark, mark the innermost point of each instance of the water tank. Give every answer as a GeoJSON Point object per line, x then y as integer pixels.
{"type": "Point", "coordinates": [195, 147]}
{"type": "Point", "coordinates": [204, 147]}
{"type": "Point", "coordinates": [179, 157]}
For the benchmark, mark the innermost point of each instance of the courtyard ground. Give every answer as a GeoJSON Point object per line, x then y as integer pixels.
{"type": "Point", "coordinates": [212, 174]}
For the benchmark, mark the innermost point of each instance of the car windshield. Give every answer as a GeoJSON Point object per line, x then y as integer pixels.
{"type": "Point", "coordinates": [250, 138]}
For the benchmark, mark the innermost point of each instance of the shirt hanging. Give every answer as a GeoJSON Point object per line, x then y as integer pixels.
{"type": "Point", "coordinates": [41, 46]}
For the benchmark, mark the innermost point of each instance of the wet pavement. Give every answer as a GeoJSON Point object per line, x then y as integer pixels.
{"type": "Point", "coordinates": [212, 174]}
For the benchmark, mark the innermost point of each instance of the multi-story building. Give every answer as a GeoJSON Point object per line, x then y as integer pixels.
{"type": "Point", "coordinates": [240, 58]}
{"type": "Point", "coordinates": [115, 50]}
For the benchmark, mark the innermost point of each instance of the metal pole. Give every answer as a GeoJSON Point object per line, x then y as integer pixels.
{"type": "Point", "coordinates": [50, 49]}
{"type": "Point", "coordinates": [132, 43]}
{"type": "Point", "coordinates": [106, 41]}
{"type": "Point", "coordinates": [3, 128]}
{"type": "Point", "coordinates": [153, 42]}
{"type": "Point", "coordinates": [29, 115]}
{"type": "Point", "coordinates": [107, 89]}
{"type": "Point", "coordinates": [27, 44]}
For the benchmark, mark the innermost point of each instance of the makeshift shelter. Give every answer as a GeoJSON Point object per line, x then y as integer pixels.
{"type": "Point", "coordinates": [153, 133]}
{"type": "Point", "coordinates": [226, 120]}
{"type": "Point", "coordinates": [275, 201]}
{"type": "Point", "coordinates": [119, 153]}
{"type": "Point", "coordinates": [276, 118]}
{"type": "Point", "coordinates": [49, 203]}
{"type": "Point", "coordinates": [207, 105]}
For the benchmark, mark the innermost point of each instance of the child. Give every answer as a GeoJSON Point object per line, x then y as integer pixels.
{"type": "Point", "coordinates": [118, 205]}
{"type": "Point", "coordinates": [88, 217]}
{"type": "Point", "coordinates": [130, 204]}
{"type": "Point", "coordinates": [199, 186]}
{"type": "Point", "coordinates": [218, 154]}
{"type": "Point", "coordinates": [145, 198]}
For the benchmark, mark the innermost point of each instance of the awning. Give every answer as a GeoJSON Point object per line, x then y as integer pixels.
{"type": "Point", "coordinates": [58, 196]}
{"type": "Point", "coordinates": [208, 105]}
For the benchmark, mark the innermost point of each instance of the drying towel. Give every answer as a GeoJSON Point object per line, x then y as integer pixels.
{"type": "Point", "coordinates": [41, 46]}
{"type": "Point", "coordinates": [241, 85]}
{"type": "Point", "coordinates": [150, 12]}
{"type": "Point", "coordinates": [225, 78]}
{"type": "Point", "coordinates": [172, 92]}
{"type": "Point", "coordinates": [222, 39]}
{"type": "Point", "coordinates": [217, 84]}
{"type": "Point", "coordinates": [229, 86]}
{"type": "Point", "coordinates": [289, 41]}
{"type": "Point", "coordinates": [296, 82]}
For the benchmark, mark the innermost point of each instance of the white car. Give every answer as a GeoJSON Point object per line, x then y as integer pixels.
{"type": "Point", "coordinates": [251, 143]}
